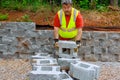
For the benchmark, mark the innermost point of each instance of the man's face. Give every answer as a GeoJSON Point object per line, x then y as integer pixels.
{"type": "Point", "coordinates": [67, 9]}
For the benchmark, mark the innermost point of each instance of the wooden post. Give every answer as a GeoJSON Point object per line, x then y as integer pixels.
{"type": "Point", "coordinates": [114, 3]}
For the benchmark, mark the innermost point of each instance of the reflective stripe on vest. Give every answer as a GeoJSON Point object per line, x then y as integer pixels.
{"type": "Point", "coordinates": [70, 31]}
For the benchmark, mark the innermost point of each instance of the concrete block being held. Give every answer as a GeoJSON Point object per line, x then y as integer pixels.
{"type": "Point", "coordinates": [67, 44]}
{"type": "Point", "coordinates": [84, 71]}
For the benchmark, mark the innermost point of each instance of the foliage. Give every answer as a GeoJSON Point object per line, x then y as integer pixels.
{"type": "Point", "coordinates": [3, 17]}
{"type": "Point", "coordinates": [24, 18]}
{"type": "Point", "coordinates": [34, 5]}
{"type": "Point", "coordinates": [84, 4]}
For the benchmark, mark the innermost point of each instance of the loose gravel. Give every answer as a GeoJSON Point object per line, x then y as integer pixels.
{"type": "Point", "coordinates": [14, 69]}
{"type": "Point", "coordinates": [18, 69]}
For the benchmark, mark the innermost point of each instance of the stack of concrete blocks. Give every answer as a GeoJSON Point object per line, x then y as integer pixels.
{"type": "Point", "coordinates": [46, 68]}
{"type": "Point", "coordinates": [84, 71]}
{"type": "Point", "coordinates": [68, 45]}
{"type": "Point", "coordinates": [43, 68]}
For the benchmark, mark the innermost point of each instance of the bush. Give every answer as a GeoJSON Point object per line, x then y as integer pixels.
{"type": "Point", "coordinates": [3, 17]}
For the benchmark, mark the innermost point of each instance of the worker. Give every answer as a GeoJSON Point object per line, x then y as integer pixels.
{"type": "Point", "coordinates": [68, 23]}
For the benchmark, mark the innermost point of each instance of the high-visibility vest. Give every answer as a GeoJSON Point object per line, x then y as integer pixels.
{"type": "Point", "coordinates": [69, 31]}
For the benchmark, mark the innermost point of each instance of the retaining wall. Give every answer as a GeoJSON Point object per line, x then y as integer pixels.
{"type": "Point", "coordinates": [22, 38]}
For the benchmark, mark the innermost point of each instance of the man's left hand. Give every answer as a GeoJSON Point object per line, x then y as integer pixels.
{"type": "Point", "coordinates": [78, 43]}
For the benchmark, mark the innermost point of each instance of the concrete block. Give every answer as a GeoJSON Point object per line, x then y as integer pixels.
{"type": "Point", "coordinates": [100, 50]}
{"type": "Point", "coordinates": [64, 76]}
{"type": "Point", "coordinates": [86, 35]}
{"type": "Point", "coordinates": [45, 73]}
{"type": "Point", "coordinates": [0, 39]}
{"type": "Point", "coordinates": [69, 53]}
{"type": "Point", "coordinates": [44, 62]}
{"type": "Point", "coordinates": [8, 40]}
{"type": "Point", "coordinates": [65, 62]}
{"type": "Point", "coordinates": [114, 36]}
{"type": "Point", "coordinates": [66, 55]}
{"type": "Point", "coordinates": [90, 57]}
{"type": "Point", "coordinates": [84, 71]}
{"type": "Point", "coordinates": [31, 34]}
{"type": "Point", "coordinates": [46, 33]}
{"type": "Point", "coordinates": [34, 48]}
{"type": "Point", "coordinates": [3, 47]}
{"type": "Point", "coordinates": [33, 40]}
{"type": "Point", "coordinates": [18, 33]}
{"type": "Point", "coordinates": [6, 53]}
{"type": "Point", "coordinates": [67, 44]}
{"type": "Point", "coordinates": [98, 35]}
{"type": "Point", "coordinates": [41, 56]}
{"type": "Point", "coordinates": [114, 50]}
{"type": "Point", "coordinates": [11, 25]}
{"type": "Point", "coordinates": [25, 26]}
{"type": "Point", "coordinates": [5, 32]}
{"type": "Point", "coordinates": [2, 25]}
{"type": "Point", "coordinates": [85, 50]}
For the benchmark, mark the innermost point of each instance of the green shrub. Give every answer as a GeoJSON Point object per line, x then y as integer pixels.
{"type": "Point", "coordinates": [26, 18]}
{"type": "Point", "coordinates": [84, 4]}
{"type": "Point", "coordinates": [3, 17]}
{"type": "Point", "coordinates": [102, 8]}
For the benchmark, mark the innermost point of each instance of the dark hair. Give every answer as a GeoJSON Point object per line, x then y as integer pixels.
{"type": "Point", "coordinates": [66, 2]}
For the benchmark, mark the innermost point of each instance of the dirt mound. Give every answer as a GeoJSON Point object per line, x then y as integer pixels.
{"type": "Point", "coordinates": [97, 21]}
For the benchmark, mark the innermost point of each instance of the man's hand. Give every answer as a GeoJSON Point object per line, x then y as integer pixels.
{"type": "Point", "coordinates": [78, 43]}
{"type": "Point", "coordinates": [56, 43]}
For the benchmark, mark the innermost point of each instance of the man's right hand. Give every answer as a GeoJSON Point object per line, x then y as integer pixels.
{"type": "Point", "coordinates": [56, 43]}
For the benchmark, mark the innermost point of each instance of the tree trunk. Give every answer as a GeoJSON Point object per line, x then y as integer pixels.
{"type": "Point", "coordinates": [93, 4]}
{"type": "Point", "coordinates": [114, 2]}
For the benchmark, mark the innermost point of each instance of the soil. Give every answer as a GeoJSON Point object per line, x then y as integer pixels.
{"type": "Point", "coordinates": [93, 20]}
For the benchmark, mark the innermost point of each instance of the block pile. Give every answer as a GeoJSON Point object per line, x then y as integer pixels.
{"type": "Point", "coordinates": [45, 67]}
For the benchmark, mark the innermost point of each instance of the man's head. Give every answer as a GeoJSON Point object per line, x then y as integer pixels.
{"type": "Point", "coordinates": [67, 6]}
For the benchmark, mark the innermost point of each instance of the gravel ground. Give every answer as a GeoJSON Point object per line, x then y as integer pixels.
{"type": "Point", "coordinates": [18, 69]}
{"type": "Point", "coordinates": [14, 69]}
{"type": "Point", "coordinates": [109, 70]}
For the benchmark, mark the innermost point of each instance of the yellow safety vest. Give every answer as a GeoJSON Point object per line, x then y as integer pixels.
{"type": "Point", "coordinates": [70, 31]}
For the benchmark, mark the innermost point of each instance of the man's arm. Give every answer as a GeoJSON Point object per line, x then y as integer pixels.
{"type": "Point", "coordinates": [79, 35]}
{"type": "Point", "coordinates": [56, 35]}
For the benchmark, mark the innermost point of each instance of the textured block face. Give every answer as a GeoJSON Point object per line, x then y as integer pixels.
{"type": "Point", "coordinates": [102, 44]}
{"type": "Point", "coordinates": [5, 32]}
{"type": "Point", "coordinates": [3, 47]}
{"type": "Point", "coordinates": [67, 44]}
{"type": "Point", "coordinates": [84, 71]}
{"type": "Point", "coordinates": [8, 40]}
